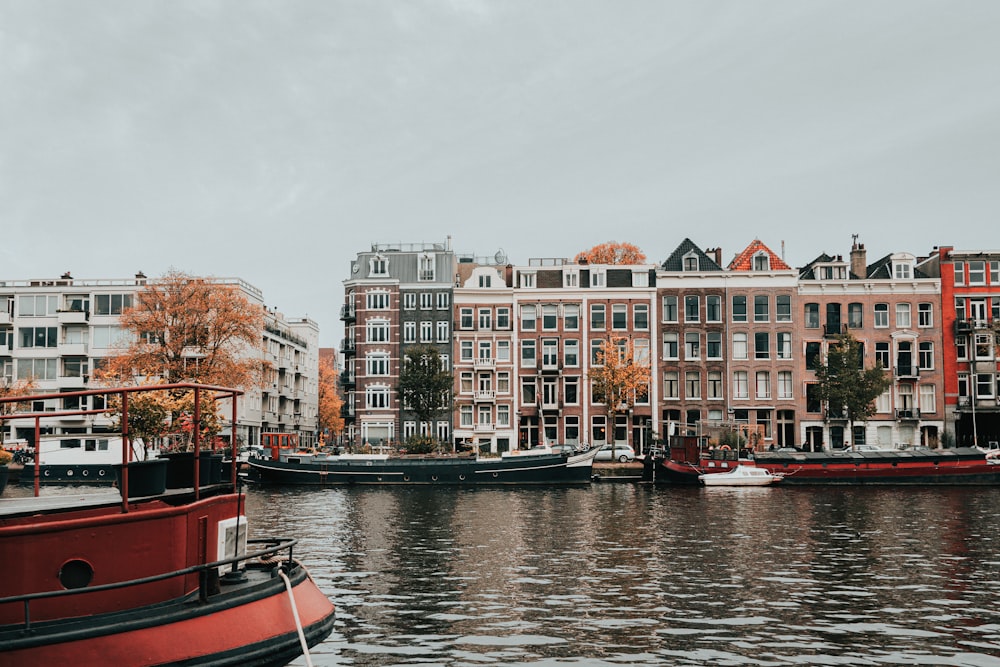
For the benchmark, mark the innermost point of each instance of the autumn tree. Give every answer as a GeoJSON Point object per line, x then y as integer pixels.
{"type": "Point", "coordinates": [613, 252]}
{"type": "Point", "coordinates": [329, 417]}
{"type": "Point", "coordinates": [618, 376]}
{"type": "Point", "coordinates": [424, 386]}
{"type": "Point", "coordinates": [9, 389]}
{"type": "Point", "coordinates": [183, 328]}
{"type": "Point", "coordinates": [847, 388]}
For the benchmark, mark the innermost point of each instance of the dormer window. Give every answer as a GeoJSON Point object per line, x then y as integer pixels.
{"type": "Point", "coordinates": [379, 266]}
{"type": "Point", "coordinates": [485, 280]}
{"type": "Point", "coordinates": [761, 262]}
{"type": "Point", "coordinates": [691, 262]}
{"type": "Point", "coordinates": [426, 269]}
{"type": "Point", "coordinates": [571, 278]}
{"type": "Point", "coordinates": [527, 280]}
{"type": "Point", "coordinates": [831, 272]}
{"type": "Point", "coordinates": [903, 271]}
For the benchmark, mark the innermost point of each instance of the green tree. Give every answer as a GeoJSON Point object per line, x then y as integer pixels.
{"type": "Point", "coordinates": [424, 386]}
{"type": "Point", "coordinates": [847, 388]}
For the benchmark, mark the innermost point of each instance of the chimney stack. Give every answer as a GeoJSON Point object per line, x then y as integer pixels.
{"type": "Point", "coordinates": [859, 259]}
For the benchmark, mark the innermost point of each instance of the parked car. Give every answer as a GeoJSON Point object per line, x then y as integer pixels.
{"type": "Point", "coordinates": [622, 453]}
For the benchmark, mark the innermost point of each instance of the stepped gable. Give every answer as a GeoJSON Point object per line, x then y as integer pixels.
{"type": "Point", "coordinates": [676, 260]}
{"type": "Point", "coordinates": [744, 260]}
{"type": "Point", "coordinates": [808, 272]}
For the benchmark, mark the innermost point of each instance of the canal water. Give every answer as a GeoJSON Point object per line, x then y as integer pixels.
{"type": "Point", "coordinates": [627, 574]}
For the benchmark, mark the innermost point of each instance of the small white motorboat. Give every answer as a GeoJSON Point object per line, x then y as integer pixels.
{"type": "Point", "coordinates": [741, 475]}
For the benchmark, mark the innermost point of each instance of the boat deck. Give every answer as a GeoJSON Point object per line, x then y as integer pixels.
{"type": "Point", "coordinates": [92, 497]}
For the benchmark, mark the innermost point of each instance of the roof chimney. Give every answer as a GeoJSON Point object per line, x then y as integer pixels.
{"type": "Point", "coordinates": [859, 259]}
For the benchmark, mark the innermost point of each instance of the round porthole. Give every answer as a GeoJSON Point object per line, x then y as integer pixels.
{"type": "Point", "coordinates": [406, 478]}
{"type": "Point", "coordinates": [69, 473]}
{"type": "Point", "coordinates": [85, 473]}
{"type": "Point", "coordinates": [496, 474]}
{"type": "Point", "coordinates": [100, 473]}
{"type": "Point", "coordinates": [434, 478]}
{"type": "Point", "coordinates": [461, 478]}
{"type": "Point", "coordinates": [76, 574]}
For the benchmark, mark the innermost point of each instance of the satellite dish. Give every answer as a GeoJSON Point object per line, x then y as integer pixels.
{"type": "Point", "coordinates": [500, 257]}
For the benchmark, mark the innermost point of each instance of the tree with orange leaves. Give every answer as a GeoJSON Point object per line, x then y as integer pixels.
{"type": "Point", "coordinates": [10, 389]}
{"type": "Point", "coordinates": [328, 416]}
{"type": "Point", "coordinates": [613, 252]}
{"type": "Point", "coordinates": [617, 376]}
{"type": "Point", "coordinates": [190, 329]}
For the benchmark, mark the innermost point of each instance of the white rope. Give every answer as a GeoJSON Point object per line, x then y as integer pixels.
{"type": "Point", "coordinates": [295, 614]}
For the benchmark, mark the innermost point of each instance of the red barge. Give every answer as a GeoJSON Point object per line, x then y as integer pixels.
{"type": "Point", "coordinates": [146, 575]}
{"type": "Point", "coordinates": [689, 457]}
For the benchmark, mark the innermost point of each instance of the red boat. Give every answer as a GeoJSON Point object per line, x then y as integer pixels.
{"type": "Point", "coordinates": [689, 457]}
{"type": "Point", "coordinates": [145, 575]}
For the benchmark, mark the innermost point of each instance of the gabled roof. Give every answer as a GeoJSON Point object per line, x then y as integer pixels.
{"type": "Point", "coordinates": [676, 260]}
{"type": "Point", "coordinates": [744, 260]}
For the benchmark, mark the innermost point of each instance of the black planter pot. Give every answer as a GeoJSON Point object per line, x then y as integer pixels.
{"type": "Point", "coordinates": [180, 469]}
{"type": "Point", "coordinates": [3, 478]}
{"type": "Point", "coordinates": [145, 478]}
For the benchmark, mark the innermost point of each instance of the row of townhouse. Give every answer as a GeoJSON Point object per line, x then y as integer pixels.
{"type": "Point", "coordinates": [729, 346]}
{"type": "Point", "coordinates": [59, 331]}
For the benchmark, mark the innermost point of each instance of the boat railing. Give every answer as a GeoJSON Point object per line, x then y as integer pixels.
{"type": "Point", "coordinates": [204, 570]}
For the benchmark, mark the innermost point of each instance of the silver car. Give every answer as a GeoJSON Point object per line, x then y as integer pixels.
{"type": "Point", "coordinates": [622, 454]}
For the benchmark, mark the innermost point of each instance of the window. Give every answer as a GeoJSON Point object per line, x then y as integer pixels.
{"type": "Point", "coordinates": [741, 387]}
{"type": "Point", "coordinates": [527, 280]}
{"type": "Point", "coordinates": [465, 350]}
{"type": "Point", "coordinates": [503, 415]}
{"type": "Point", "coordinates": [38, 337]}
{"type": "Point", "coordinates": [640, 316]}
{"type": "Point", "coordinates": [984, 346]}
{"type": "Point", "coordinates": [761, 262]}
{"type": "Point", "coordinates": [528, 315]}
{"type": "Point", "coordinates": [855, 315]}
{"type": "Point", "coordinates": [994, 273]}
{"type": "Point", "coordinates": [377, 300]}
{"type": "Point", "coordinates": [959, 273]}
{"type": "Point", "coordinates": [571, 278]}
{"type": "Point", "coordinates": [571, 390]}
{"type": "Point", "coordinates": [378, 266]}
{"type": "Point", "coordinates": [485, 415]}
{"type": "Point", "coordinates": [426, 331]}
{"type": "Point", "coordinates": [692, 384]}
{"type": "Point", "coordinates": [409, 332]}
{"type": "Point", "coordinates": [640, 279]}
{"type": "Point", "coordinates": [528, 353]}
{"type": "Point", "coordinates": [427, 264]}
{"type": "Point", "coordinates": [443, 301]}
{"type": "Point", "coordinates": [426, 300]}
{"type": "Point", "coordinates": [740, 346]}
{"type": "Point", "coordinates": [670, 346]}
{"type": "Point", "coordinates": [670, 388]}
{"type": "Point", "coordinates": [760, 308]}
{"type": "Point", "coordinates": [376, 396]}
{"type": "Point", "coordinates": [926, 355]}
{"type": "Point", "coordinates": [571, 352]}
{"type": "Point", "coordinates": [595, 351]}
{"type": "Point", "coordinates": [106, 336]}
{"type": "Point", "coordinates": [882, 354]}
{"type": "Point", "coordinates": [485, 280]}
{"type": "Point", "coordinates": [739, 309]}
{"type": "Point", "coordinates": [812, 315]}
{"type": "Point", "coordinates": [903, 315]}
{"type": "Point", "coordinates": [572, 430]}
{"type": "Point", "coordinates": [465, 415]}
{"type": "Point", "coordinates": [550, 317]}
{"type": "Point", "coordinates": [377, 363]}
{"type": "Point", "coordinates": [377, 331]}
{"type": "Point", "coordinates": [485, 319]}
{"type": "Point", "coordinates": [39, 369]}
{"type": "Point", "coordinates": [713, 345]}
{"type": "Point", "coordinates": [550, 353]}
{"type": "Point", "coordinates": [784, 350]}
{"type": "Point", "coordinates": [598, 278]}
{"type": "Point", "coordinates": [984, 385]}
{"type": "Point", "coordinates": [503, 318]}
{"type": "Point", "coordinates": [442, 331]}
{"type": "Point", "coordinates": [925, 315]}
{"type": "Point", "coordinates": [761, 345]}
{"type": "Point", "coordinates": [903, 271]}
{"type": "Point", "coordinates": [503, 350]}
{"type": "Point", "coordinates": [928, 399]}
{"type": "Point", "coordinates": [75, 367]}
{"type": "Point", "coordinates": [977, 272]}
{"type": "Point", "coordinates": [813, 359]}
{"type": "Point", "coordinates": [410, 301]}
{"type": "Point", "coordinates": [783, 308]}
{"type": "Point", "coordinates": [785, 384]}
{"type": "Point", "coordinates": [881, 315]}
{"type": "Point", "coordinates": [619, 316]}
{"type": "Point", "coordinates": [670, 309]}
{"type": "Point", "coordinates": [111, 304]}
{"type": "Point", "coordinates": [690, 262]}
{"type": "Point", "coordinates": [571, 317]}
{"type": "Point", "coordinates": [691, 310]}
{"type": "Point", "coordinates": [692, 345]}
{"type": "Point", "coordinates": [465, 318]}
{"type": "Point", "coordinates": [715, 384]}
{"type": "Point", "coordinates": [528, 391]}
{"type": "Point", "coordinates": [763, 384]}
{"type": "Point", "coordinates": [597, 316]}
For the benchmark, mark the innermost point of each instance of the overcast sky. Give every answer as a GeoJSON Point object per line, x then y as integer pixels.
{"type": "Point", "coordinates": [274, 140]}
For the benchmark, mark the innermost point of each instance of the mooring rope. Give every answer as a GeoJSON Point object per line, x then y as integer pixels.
{"type": "Point", "coordinates": [295, 614]}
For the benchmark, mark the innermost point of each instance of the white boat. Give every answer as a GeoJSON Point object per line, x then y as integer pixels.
{"type": "Point", "coordinates": [741, 475]}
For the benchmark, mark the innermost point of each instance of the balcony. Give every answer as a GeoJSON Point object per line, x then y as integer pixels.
{"type": "Point", "coordinates": [347, 346]}
{"type": "Point", "coordinates": [73, 349]}
{"type": "Point", "coordinates": [911, 414]}
{"type": "Point", "coordinates": [347, 381]}
{"type": "Point", "coordinates": [72, 381]}
{"type": "Point", "coordinates": [5, 317]}
{"type": "Point", "coordinates": [485, 363]}
{"type": "Point", "coordinates": [73, 316]}
{"type": "Point", "coordinates": [485, 396]}
{"type": "Point", "coordinates": [833, 330]}
{"type": "Point", "coordinates": [963, 327]}
{"type": "Point", "coordinates": [347, 313]}
{"type": "Point", "coordinates": [551, 367]}
{"type": "Point", "coordinates": [910, 371]}
{"type": "Point", "coordinates": [484, 428]}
